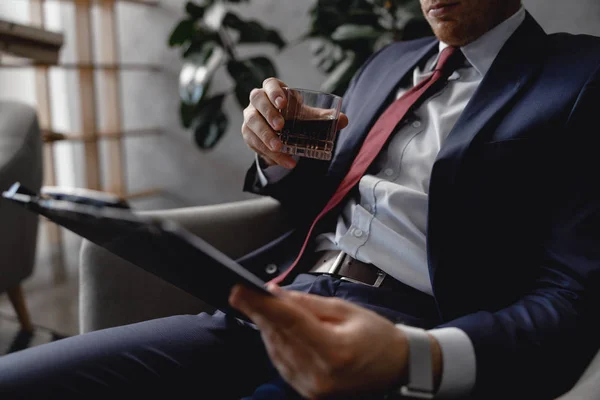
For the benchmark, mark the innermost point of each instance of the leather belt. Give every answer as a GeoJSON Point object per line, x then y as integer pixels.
{"type": "Point", "coordinates": [342, 265]}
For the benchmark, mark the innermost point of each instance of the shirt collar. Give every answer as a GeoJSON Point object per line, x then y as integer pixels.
{"type": "Point", "coordinates": [482, 52]}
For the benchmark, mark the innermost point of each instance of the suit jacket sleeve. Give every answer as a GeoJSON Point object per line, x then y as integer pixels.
{"type": "Point", "coordinates": [540, 345]}
{"type": "Point", "coordinates": [307, 187]}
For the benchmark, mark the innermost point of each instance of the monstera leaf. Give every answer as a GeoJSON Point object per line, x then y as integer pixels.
{"type": "Point", "coordinates": [202, 47]}
{"type": "Point", "coordinates": [182, 32]}
{"type": "Point", "coordinates": [252, 31]}
{"type": "Point", "coordinates": [207, 120]}
{"type": "Point", "coordinates": [249, 74]}
{"type": "Point", "coordinates": [343, 35]}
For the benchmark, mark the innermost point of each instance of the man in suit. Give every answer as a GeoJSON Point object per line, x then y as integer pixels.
{"type": "Point", "coordinates": [482, 199]}
{"type": "Point", "coordinates": [464, 247]}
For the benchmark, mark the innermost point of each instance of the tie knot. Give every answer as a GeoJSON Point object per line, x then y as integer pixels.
{"type": "Point", "coordinates": [449, 61]}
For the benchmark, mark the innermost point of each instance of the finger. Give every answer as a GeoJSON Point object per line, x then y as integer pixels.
{"type": "Point", "coordinates": [342, 121]}
{"type": "Point", "coordinates": [263, 309]}
{"type": "Point", "coordinates": [296, 363]}
{"type": "Point", "coordinates": [268, 160]}
{"type": "Point", "coordinates": [274, 312]}
{"type": "Point", "coordinates": [322, 307]}
{"type": "Point", "coordinates": [262, 103]}
{"type": "Point", "coordinates": [273, 89]}
{"type": "Point", "coordinates": [272, 157]}
{"type": "Point", "coordinates": [256, 122]}
{"type": "Point", "coordinates": [275, 289]}
{"type": "Point", "coordinates": [278, 352]}
{"type": "Point", "coordinates": [255, 143]}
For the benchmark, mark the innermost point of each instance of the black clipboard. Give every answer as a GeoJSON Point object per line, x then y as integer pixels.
{"type": "Point", "coordinates": [158, 246]}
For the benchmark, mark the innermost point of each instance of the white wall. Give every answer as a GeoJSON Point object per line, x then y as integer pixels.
{"type": "Point", "coordinates": [19, 85]}
{"type": "Point", "coordinates": [574, 16]}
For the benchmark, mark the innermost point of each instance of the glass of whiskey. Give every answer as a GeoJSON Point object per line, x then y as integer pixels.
{"type": "Point", "coordinates": [311, 120]}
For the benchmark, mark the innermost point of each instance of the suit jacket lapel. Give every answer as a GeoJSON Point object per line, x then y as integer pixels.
{"type": "Point", "coordinates": [375, 99]}
{"type": "Point", "coordinates": [517, 63]}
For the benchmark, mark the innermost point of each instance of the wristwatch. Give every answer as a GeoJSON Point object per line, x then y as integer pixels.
{"type": "Point", "coordinates": [420, 366]}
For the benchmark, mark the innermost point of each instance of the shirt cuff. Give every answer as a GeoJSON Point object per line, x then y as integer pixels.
{"type": "Point", "coordinates": [458, 365]}
{"type": "Point", "coordinates": [272, 174]}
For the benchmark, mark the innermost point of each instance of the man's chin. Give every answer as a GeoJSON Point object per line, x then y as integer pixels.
{"type": "Point", "coordinates": [450, 33]}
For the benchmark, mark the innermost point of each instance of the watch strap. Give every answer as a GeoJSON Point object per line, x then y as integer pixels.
{"type": "Point", "coordinates": [420, 366]}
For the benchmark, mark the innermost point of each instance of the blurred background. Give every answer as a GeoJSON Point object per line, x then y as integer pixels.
{"type": "Point", "coordinates": [144, 99]}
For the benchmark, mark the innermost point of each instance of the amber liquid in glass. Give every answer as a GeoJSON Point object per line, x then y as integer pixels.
{"type": "Point", "coordinates": [309, 138]}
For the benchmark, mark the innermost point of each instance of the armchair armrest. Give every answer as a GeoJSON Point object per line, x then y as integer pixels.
{"type": "Point", "coordinates": [588, 385]}
{"type": "Point", "coordinates": [115, 292]}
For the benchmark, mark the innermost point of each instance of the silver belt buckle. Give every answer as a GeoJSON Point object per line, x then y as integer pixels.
{"type": "Point", "coordinates": [380, 277]}
{"type": "Point", "coordinates": [337, 264]}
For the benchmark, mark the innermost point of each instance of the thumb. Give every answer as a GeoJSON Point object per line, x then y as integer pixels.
{"type": "Point", "coordinates": [342, 121]}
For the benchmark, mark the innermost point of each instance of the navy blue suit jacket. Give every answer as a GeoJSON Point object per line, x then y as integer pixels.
{"type": "Point", "coordinates": [514, 224]}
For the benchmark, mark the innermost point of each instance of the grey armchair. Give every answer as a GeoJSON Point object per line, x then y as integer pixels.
{"type": "Point", "coordinates": [114, 292]}
{"type": "Point", "coordinates": [20, 160]}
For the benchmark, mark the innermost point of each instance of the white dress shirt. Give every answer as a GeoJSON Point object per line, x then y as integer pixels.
{"type": "Point", "coordinates": [385, 223]}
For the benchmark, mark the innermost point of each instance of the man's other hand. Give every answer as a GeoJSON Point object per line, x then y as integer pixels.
{"type": "Point", "coordinates": [326, 346]}
{"type": "Point", "coordinates": [262, 118]}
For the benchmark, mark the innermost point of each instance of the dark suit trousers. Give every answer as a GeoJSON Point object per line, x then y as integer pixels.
{"type": "Point", "coordinates": [206, 356]}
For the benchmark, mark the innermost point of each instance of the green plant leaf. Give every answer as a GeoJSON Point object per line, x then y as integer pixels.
{"type": "Point", "coordinates": [182, 33]}
{"type": "Point", "coordinates": [205, 106]}
{"type": "Point", "coordinates": [351, 32]}
{"type": "Point", "coordinates": [383, 40]}
{"type": "Point", "coordinates": [206, 120]}
{"type": "Point", "coordinates": [263, 67]}
{"type": "Point", "coordinates": [209, 130]}
{"type": "Point", "coordinates": [194, 10]}
{"type": "Point", "coordinates": [363, 17]}
{"type": "Point", "coordinates": [416, 28]}
{"type": "Point", "coordinates": [325, 21]}
{"type": "Point", "coordinates": [326, 55]}
{"type": "Point", "coordinates": [252, 31]}
{"type": "Point", "coordinates": [249, 74]}
{"type": "Point", "coordinates": [337, 82]}
{"type": "Point", "coordinates": [200, 49]}
{"type": "Point", "coordinates": [187, 112]}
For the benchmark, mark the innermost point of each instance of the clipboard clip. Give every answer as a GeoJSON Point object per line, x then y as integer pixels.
{"type": "Point", "coordinates": [74, 195]}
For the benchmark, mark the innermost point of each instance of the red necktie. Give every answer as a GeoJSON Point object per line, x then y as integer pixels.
{"type": "Point", "coordinates": [448, 61]}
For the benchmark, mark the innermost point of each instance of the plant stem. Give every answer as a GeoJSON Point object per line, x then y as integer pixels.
{"type": "Point", "coordinates": [227, 43]}
{"type": "Point", "coordinates": [393, 12]}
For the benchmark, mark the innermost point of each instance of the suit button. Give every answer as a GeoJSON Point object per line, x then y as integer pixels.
{"type": "Point", "coordinates": [271, 269]}
{"type": "Point", "coordinates": [416, 124]}
{"type": "Point", "coordinates": [389, 172]}
{"type": "Point", "coordinates": [358, 233]}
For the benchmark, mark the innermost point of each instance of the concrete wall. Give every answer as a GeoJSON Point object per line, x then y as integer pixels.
{"type": "Point", "coordinates": [172, 161]}
{"type": "Point", "coordinates": [575, 16]}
